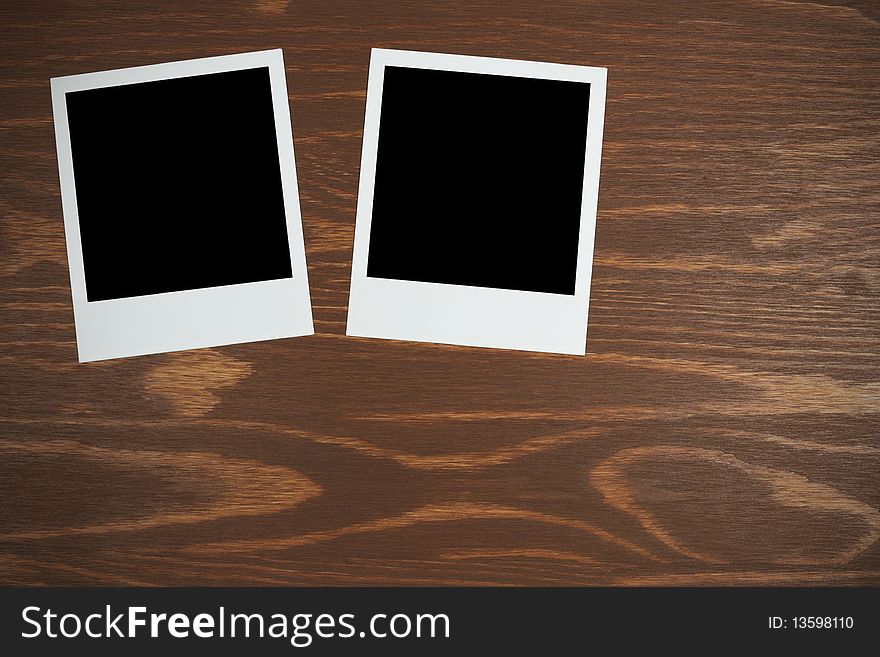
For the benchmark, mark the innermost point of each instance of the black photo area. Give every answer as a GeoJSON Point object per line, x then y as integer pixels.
{"type": "Point", "coordinates": [479, 180]}
{"type": "Point", "coordinates": [178, 185]}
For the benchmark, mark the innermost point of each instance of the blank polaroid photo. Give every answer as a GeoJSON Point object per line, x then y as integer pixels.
{"type": "Point", "coordinates": [181, 209]}
{"type": "Point", "coordinates": [477, 203]}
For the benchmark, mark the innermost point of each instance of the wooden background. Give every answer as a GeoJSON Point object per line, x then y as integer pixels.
{"type": "Point", "coordinates": [723, 428]}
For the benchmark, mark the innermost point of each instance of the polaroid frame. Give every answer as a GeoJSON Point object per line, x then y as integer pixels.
{"type": "Point", "coordinates": [466, 315]}
{"type": "Point", "coordinates": [198, 318]}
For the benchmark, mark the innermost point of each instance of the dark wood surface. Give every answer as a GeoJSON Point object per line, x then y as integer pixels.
{"type": "Point", "coordinates": [723, 428]}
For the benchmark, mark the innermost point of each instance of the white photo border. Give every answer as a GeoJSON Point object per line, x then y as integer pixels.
{"type": "Point", "coordinates": [467, 315]}
{"type": "Point", "coordinates": [189, 319]}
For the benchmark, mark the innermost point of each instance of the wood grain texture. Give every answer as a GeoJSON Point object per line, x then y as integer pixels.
{"type": "Point", "coordinates": [723, 428]}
